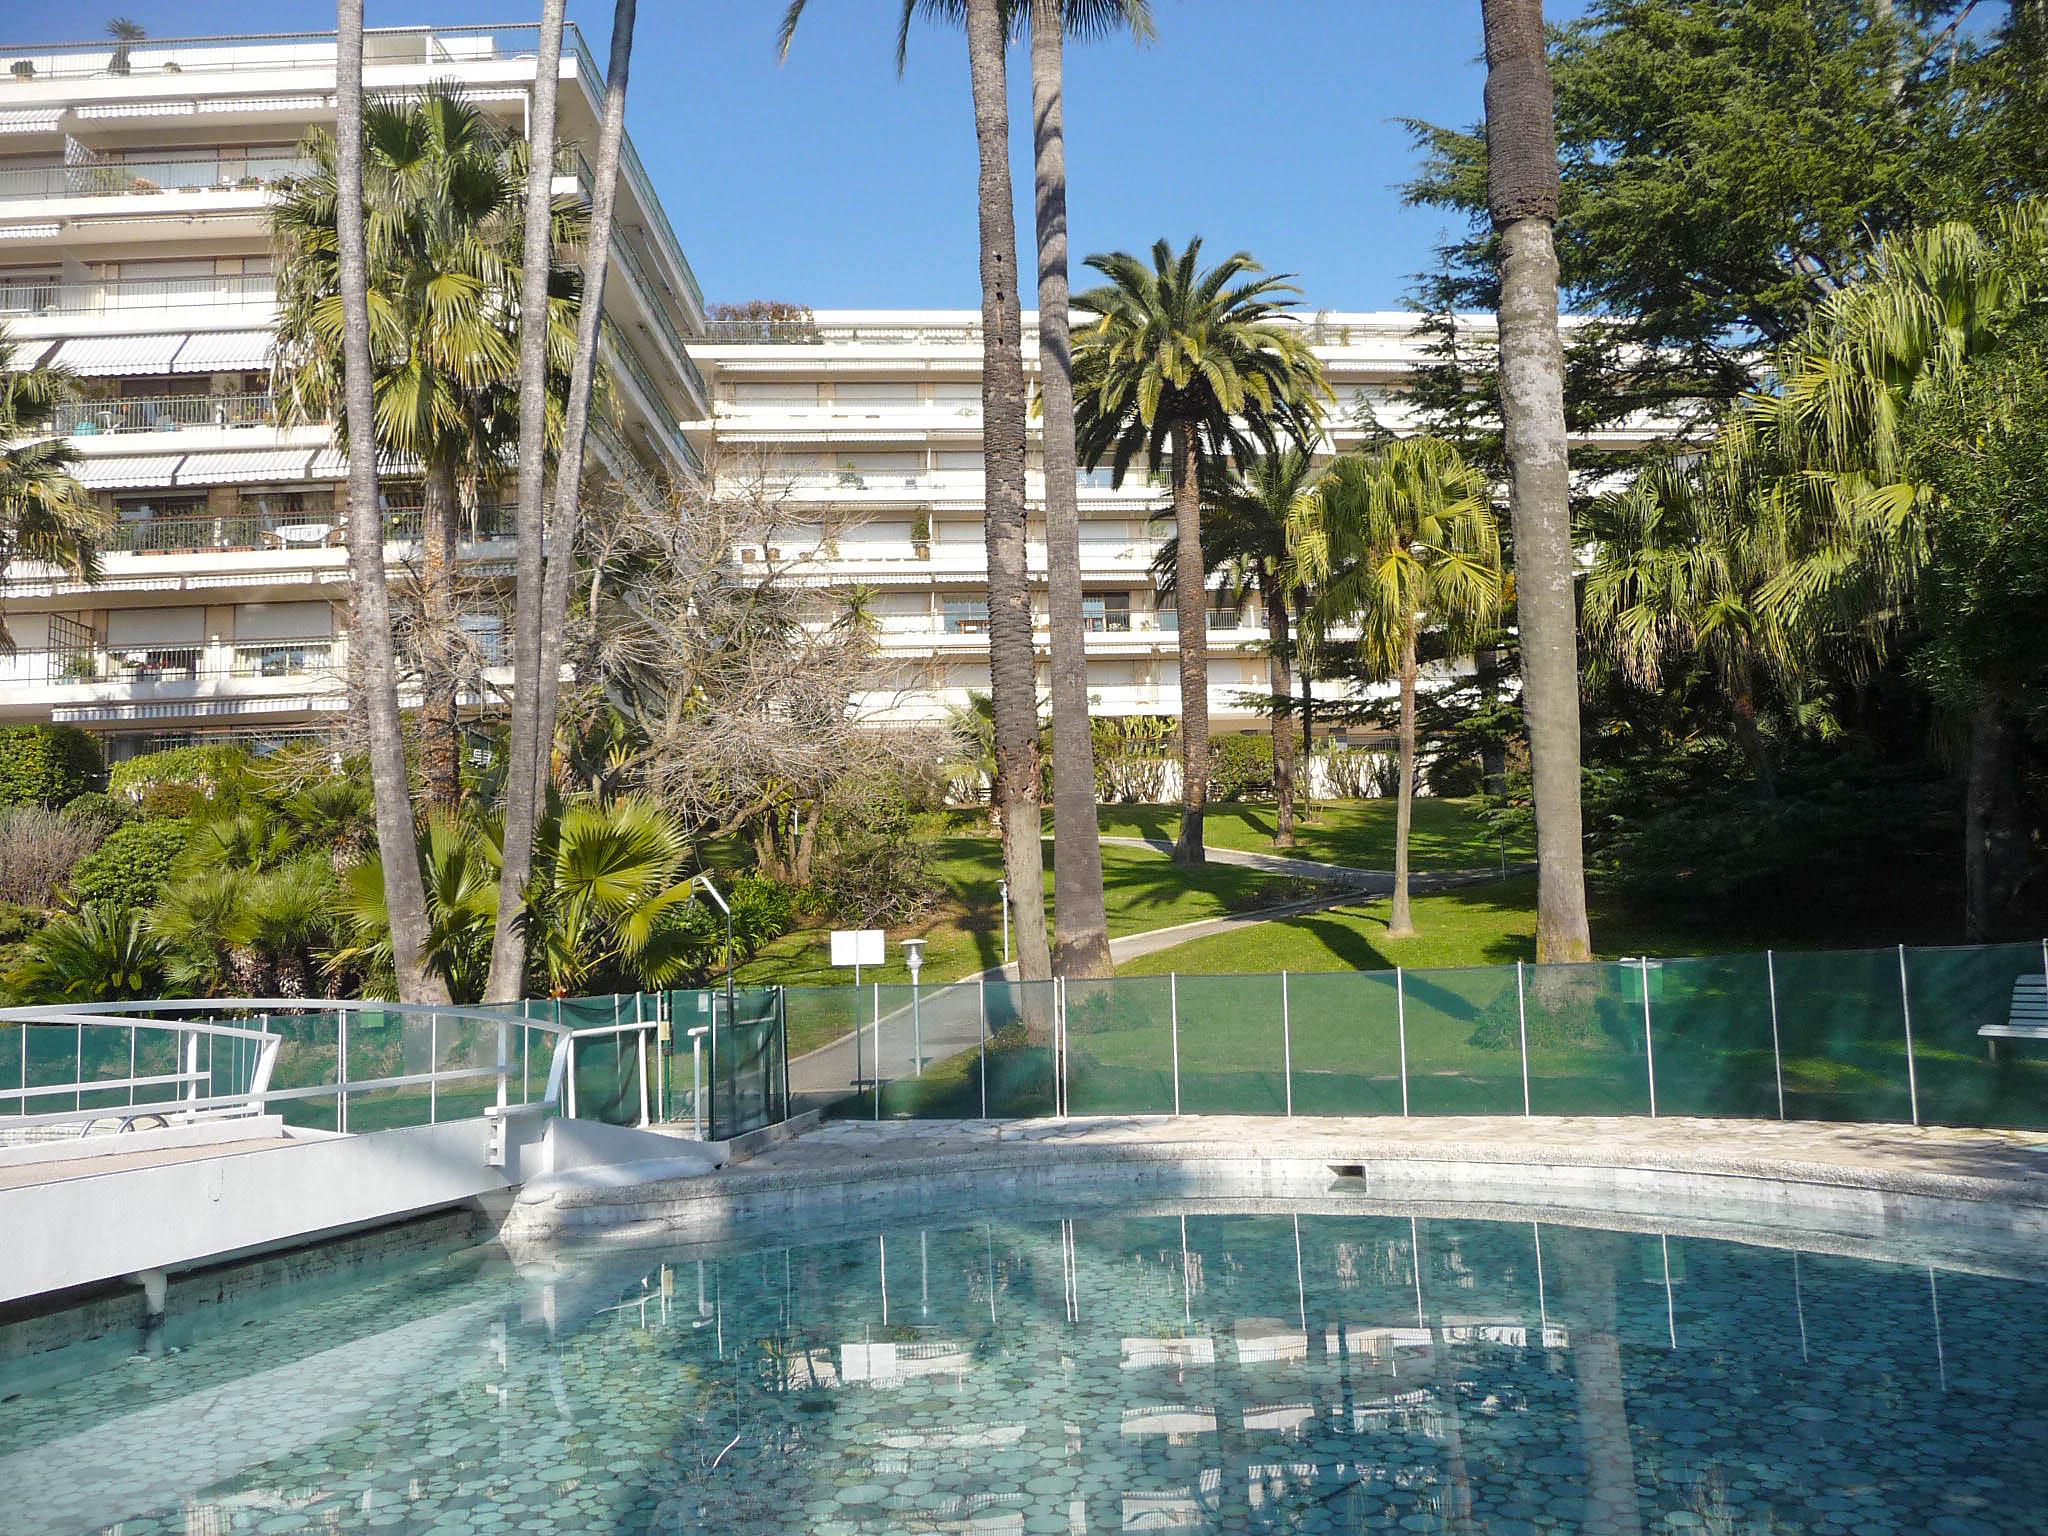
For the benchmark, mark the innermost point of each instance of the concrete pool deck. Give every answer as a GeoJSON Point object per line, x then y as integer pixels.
{"type": "Point", "coordinates": [1854, 1181]}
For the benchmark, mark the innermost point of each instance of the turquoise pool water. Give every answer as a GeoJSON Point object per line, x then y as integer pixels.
{"type": "Point", "coordinates": [1109, 1373]}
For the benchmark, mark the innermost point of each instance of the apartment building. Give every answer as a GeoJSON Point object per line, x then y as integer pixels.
{"type": "Point", "coordinates": [135, 181]}
{"type": "Point", "coordinates": [867, 424]}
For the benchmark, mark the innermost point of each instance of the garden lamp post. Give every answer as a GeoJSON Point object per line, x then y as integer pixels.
{"type": "Point", "coordinates": [913, 956]}
{"type": "Point", "coordinates": [1003, 891]}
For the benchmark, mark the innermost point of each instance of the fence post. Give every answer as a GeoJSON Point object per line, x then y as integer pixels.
{"type": "Point", "coordinates": [433, 1069]}
{"type": "Point", "coordinates": [1059, 1056]}
{"type": "Point", "coordinates": [1401, 1023]}
{"type": "Point", "coordinates": [640, 1043]}
{"type": "Point", "coordinates": [1906, 1013]}
{"type": "Point", "coordinates": [1522, 1024]}
{"type": "Point", "coordinates": [981, 984]}
{"type": "Point", "coordinates": [1287, 1043]}
{"type": "Point", "coordinates": [878, 1047]}
{"type": "Point", "coordinates": [1777, 1056]}
{"type": "Point", "coordinates": [1649, 1053]}
{"type": "Point", "coordinates": [1173, 1023]}
{"type": "Point", "coordinates": [341, 1071]}
{"type": "Point", "coordinates": [782, 1042]}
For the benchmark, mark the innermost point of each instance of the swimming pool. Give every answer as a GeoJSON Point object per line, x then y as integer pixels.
{"type": "Point", "coordinates": [1137, 1370]}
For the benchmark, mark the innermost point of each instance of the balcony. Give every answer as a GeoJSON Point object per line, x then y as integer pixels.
{"type": "Point", "coordinates": [652, 294]}
{"type": "Point", "coordinates": [304, 530]}
{"type": "Point", "coordinates": [35, 296]}
{"type": "Point", "coordinates": [164, 413]}
{"type": "Point", "coordinates": [433, 48]}
{"type": "Point", "coordinates": [209, 171]}
{"type": "Point", "coordinates": [145, 665]}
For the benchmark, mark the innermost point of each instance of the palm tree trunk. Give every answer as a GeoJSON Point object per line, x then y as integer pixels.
{"type": "Point", "coordinates": [1191, 607]}
{"type": "Point", "coordinates": [1281, 687]}
{"type": "Point", "coordinates": [562, 530]}
{"type": "Point", "coordinates": [1400, 923]}
{"type": "Point", "coordinates": [1307, 808]}
{"type": "Point", "coordinates": [1747, 736]}
{"type": "Point", "coordinates": [522, 802]}
{"type": "Point", "coordinates": [370, 634]}
{"type": "Point", "coordinates": [440, 754]}
{"type": "Point", "coordinates": [1080, 923]}
{"type": "Point", "coordinates": [1013, 666]}
{"type": "Point", "coordinates": [1522, 192]}
{"type": "Point", "coordinates": [1994, 840]}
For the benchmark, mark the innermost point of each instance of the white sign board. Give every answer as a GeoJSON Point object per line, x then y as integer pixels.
{"type": "Point", "coordinates": [857, 946]}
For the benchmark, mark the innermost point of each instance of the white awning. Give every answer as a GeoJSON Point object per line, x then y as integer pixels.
{"type": "Point", "coordinates": [247, 465]}
{"type": "Point", "coordinates": [332, 464]}
{"type": "Point", "coordinates": [92, 356]}
{"type": "Point", "coordinates": [223, 352]}
{"type": "Point", "coordinates": [31, 120]}
{"type": "Point", "coordinates": [127, 471]}
{"type": "Point", "coordinates": [138, 109]}
{"type": "Point", "coordinates": [312, 104]}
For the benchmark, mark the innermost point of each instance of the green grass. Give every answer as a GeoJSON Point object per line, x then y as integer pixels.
{"type": "Point", "coordinates": [1447, 834]}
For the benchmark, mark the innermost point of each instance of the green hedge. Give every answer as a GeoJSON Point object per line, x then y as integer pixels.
{"type": "Point", "coordinates": [48, 765]}
{"type": "Point", "coordinates": [132, 867]}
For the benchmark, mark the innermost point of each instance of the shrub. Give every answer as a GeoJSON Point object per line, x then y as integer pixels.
{"type": "Point", "coordinates": [207, 768]}
{"type": "Point", "coordinates": [170, 801]}
{"type": "Point", "coordinates": [1352, 774]}
{"type": "Point", "coordinates": [871, 869]}
{"type": "Point", "coordinates": [48, 765]}
{"type": "Point", "coordinates": [99, 954]}
{"type": "Point", "coordinates": [97, 808]}
{"type": "Point", "coordinates": [38, 849]}
{"type": "Point", "coordinates": [1240, 767]}
{"type": "Point", "coordinates": [1454, 776]}
{"type": "Point", "coordinates": [132, 867]}
{"type": "Point", "coordinates": [762, 909]}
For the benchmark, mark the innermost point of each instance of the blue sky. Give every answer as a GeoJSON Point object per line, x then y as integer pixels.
{"type": "Point", "coordinates": [1262, 124]}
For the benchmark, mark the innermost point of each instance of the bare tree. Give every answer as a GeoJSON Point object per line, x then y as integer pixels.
{"type": "Point", "coordinates": [370, 629]}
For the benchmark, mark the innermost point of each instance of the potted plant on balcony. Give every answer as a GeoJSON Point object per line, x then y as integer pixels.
{"type": "Point", "coordinates": [921, 536]}
{"type": "Point", "coordinates": [22, 69]}
{"type": "Point", "coordinates": [849, 476]}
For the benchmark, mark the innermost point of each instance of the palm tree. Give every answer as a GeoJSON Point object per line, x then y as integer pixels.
{"type": "Point", "coordinates": [370, 628]}
{"type": "Point", "coordinates": [1522, 196]}
{"type": "Point", "coordinates": [1183, 367]}
{"type": "Point", "coordinates": [98, 954]}
{"type": "Point", "coordinates": [1397, 541]}
{"type": "Point", "coordinates": [1248, 517]}
{"type": "Point", "coordinates": [45, 514]}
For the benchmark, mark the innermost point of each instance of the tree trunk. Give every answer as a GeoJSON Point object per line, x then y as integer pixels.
{"type": "Point", "coordinates": [1307, 808]}
{"type": "Point", "coordinates": [1586, 1264]}
{"type": "Point", "coordinates": [1522, 191]}
{"type": "Point", "coordinates": [1013, 666]}
{"type": "Point", "coordinates": [1747, 736]}
{"type": "Point", "coordinates": [1281, 686]}
{"type": "Point", "coordinates": [522, 802]}
{"type": "Point", "coordinates": [1191, 606]}
{"type": "Point", "coordinates": [440, 730]}
{"type": "Point", "coordinates": [1400, 923]}
{"type": "Point", "coordinates": [563, 528]}
{"type": "Point", "coordinates": [1080, 923]}
{"type": "Point", "coordinates": [1994, 837]}
{"type": "Point", "coordinates": [370, 635]}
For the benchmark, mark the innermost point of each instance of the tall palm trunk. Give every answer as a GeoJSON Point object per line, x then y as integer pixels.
{"type": "Point", "coordinates": [1522, 193]}
{"type": "Point", "coordinates": [1080, 923]}
{"type": "Point", "coordinates": [1307, 808]}
{"type": "Point", "coordinates": [1400, 924]}
{"type": "Point", "coordinates": [440, 752]}
{"type": "Point", "coordinates": [1191, 608]}
{"type": "Point", "coordinates": [1281, 687]}
{"type": "Point", "coordinates": [1013, 668]}
{"type": "Point", "coordinates": [522, 800]}
{"type": "Point", "coordinates": [370, 633]}
{"type": "Point", "coordinates": [562, 530]}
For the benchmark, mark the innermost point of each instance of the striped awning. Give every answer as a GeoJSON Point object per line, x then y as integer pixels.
{"type": "Point", "coordinates": [244, 466]}
{"type": "Point", "coordinates": [127, 471]}
{"type": "Point", "coordinates": [332, 464]}
{"type": "Point", "coordinates": [31, 120]}
{"type": "Point", "coordinates": [223, 352]}
{"type": "Point", "coordinates": [312, 103]}
{"type": "Point", "coordinates": [97, 356]}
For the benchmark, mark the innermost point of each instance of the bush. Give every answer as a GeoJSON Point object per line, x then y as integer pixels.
{"type": "Point", "coordinates": [1240, 767]}
{"type": "Point", "coordinates": [1454, 776]}
{"type": "Point", "coordinates": [206, 768]}
{"type": "Point", "coordinates": [762, 909]}
{"type": "Point", "coordinates": [170, 801]}
{"type": "Point", "coordinates": [38, 849]}
{"type": "Point", "coordinates": [48, 765]}
{"type": "Point", "coordinates": [1352, 774]}
{"type": "Point", "coordinates": [131, 868]}
{"type": "Point", "coordinates": [96, 808]}
{"type": "Point", "coordinates": [871, 869]}
{"type": "Point", "coordinates": [99, 954]}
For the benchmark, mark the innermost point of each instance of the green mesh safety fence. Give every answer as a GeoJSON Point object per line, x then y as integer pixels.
{"type": "Point", "coordinates": [1233, 1046]}
{"type": "Point", "coordinates": [931, 1043]}
{"type": "Point", "coordinates": [1710, 1021]}
{"type": "Point", "coordinates": [1588, 1045]}
{"type": "Point", "coordinates": [1346, 1038]}
{"type": "Point", "coordinates": [1018, 1060]}
{"type": "Point", "coordinates": [830, 1045]}
{"type": "Point", "coordinates": [1842, 1035]}
{"type": "Point", "coordinates": [1980, 1034]}
{"type": "Point", "coordinates": [1464, 1042]}
{"type": "Point", "coordinates": [747, 1078]}
{"type": "Point", "coordinates": [605, 1068]}
{"type": "Point", "coordinates": [1120, 1047]}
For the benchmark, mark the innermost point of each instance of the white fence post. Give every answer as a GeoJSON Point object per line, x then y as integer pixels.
{"type": "Point", "coordinates": [1173, 1023]}
{"type": "Point", "coordinates": [433, 1069]}
{"type": "Point", "coordinates": [1777, 1055]}
{"type": "Point", "coordinates": [1906, 1013]}
{"type": "Point", "coordinates": [878, 1048]}
{"type": "Point", "coordinates": [1286, 1043]}
{"type": "Point", "coordinates": [1401, 1023]}
{"type": "Point", "coordinates": [982, 983]}
{"type": "Point", "coordinates": [1649, 1053]}
{"type": "Point", "coordinates": [1522, 1021]}
{"type": "Point", "coordinates": [341, 1070]}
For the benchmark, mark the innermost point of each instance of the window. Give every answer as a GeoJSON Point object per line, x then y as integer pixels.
{"type": "Point", "coordinates": [887, 392]}
{"type": "Point", "coordinates": [775, 393]}
{"type": "Point", "coordinates": [965, 616]}
{"type": "Point", "coordinates": [1106, 612]}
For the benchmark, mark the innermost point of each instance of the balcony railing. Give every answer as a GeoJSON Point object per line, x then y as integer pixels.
{"type": "Point", "coordinates": [312, 528]}
{"type": "Point", "coordinates": [654, 292]}
{"type": "Point", "coordinates": [799, 330]}
{"type": "Point", "coordinates": [434, 47]}
{"type": "Point", "coordinates": [55, 296]}
{"type": "Point", "coordinates": [182, 173]}
{"type": "Point", "coordinates": [164, 413]}
{"type": "Point", "coordinates": [147, 664]}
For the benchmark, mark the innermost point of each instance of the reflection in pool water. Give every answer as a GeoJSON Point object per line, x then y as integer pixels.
{"type": "Point", "coordinates": [1143, 1372]}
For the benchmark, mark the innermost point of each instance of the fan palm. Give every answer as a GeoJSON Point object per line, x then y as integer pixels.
{"type": "Point", "coordinates": [1397, 541]}
{"type": "Point", "coordinates": [1182, 367]}
{"type": "Point", "coordinates": [45, 514]}
{"type": "Point", "coordinates": [1522, 190]}
{"type": "Point", "coordinates": [1249, 513]}
{"type": "Point", "coordinates": [458, 871]}
{"type": "Point", "coordinates": [100, 953]}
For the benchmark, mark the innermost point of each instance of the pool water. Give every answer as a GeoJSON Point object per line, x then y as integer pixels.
{"type": "Point", "coordinates": [1314, 1372]}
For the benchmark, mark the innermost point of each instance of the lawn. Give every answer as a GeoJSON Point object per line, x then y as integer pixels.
{"type": "Point", "coordinates": [1447, 833]}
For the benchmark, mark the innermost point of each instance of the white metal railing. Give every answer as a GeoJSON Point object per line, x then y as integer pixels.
{"type": "Point", "coordinates": [122, 1062]}
{"type": "Point", "coordinates": [176, 173]}
{"type": "Point", "coordinates": [53, 295]}
{"type": "Point", "coordinates": [164, 413]}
